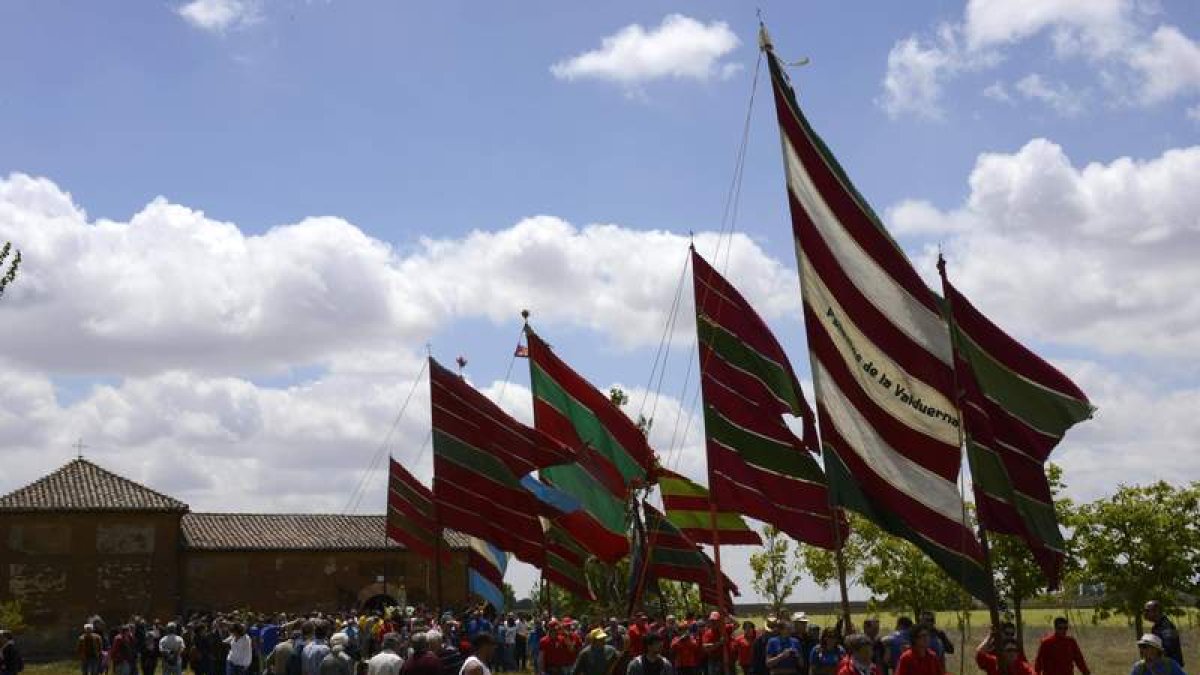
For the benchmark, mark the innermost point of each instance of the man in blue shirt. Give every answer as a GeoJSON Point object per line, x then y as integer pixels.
{"type": "Point", "coordinates": [898, 641]}
{"type": "Point", "coordinates": [785, 653]}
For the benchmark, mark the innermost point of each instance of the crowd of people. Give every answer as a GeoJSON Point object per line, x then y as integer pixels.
{"type": "Point", "coordinates": [415, 642]}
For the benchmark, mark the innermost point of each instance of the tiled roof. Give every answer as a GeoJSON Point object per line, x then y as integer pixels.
{"type": "Point", "coordinates": [82, 486]}
{"type": "Point", "coordinates": [291, 532]}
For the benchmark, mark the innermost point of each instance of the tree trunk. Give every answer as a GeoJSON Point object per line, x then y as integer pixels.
{"type": "Point", "coordinates": [1019, 619]}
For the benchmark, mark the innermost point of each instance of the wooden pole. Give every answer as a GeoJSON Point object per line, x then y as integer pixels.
{"type": "Point", "coordinates": [720, 628]}
{"type": "Point", "coordinates": [840, 560]}
{"type": "Point", "coordinates": [993, 600]}
{"type": "Point", "coordinates": [993, 596]}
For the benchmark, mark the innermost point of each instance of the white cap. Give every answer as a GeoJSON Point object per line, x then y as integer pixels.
{"type": "Point", "coordinates": [433, 636]}
{"type": "Point", "coordinates": [1151, 640]}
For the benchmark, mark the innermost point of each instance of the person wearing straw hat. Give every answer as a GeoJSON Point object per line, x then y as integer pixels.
{"type": "Point", "coordinates": [598, 657]}
{"type": "Point", "coordinates": [1154, 660]}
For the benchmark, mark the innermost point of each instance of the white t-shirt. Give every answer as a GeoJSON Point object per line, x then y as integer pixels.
{"type": "Point", "coordinates": [522, 628]}
{"type": "Point", "coordinates": [385, 663]}
{"type": "Point", "coordinates": [241, 653]}
{"type": "Point", "coordinates": [171, 643]}
{"type": "Point", "coordinates": [508, 634]}
{"type": "Point", "coordinates": [473, 661]}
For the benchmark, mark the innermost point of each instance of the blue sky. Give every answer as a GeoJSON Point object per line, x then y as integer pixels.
{"type": "Point", "coordinates": [1050, 147]}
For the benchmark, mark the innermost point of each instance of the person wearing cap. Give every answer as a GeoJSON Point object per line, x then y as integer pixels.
{"type": "Point", "coordinates": [1165, 630]}
{"type": "Point", "coordinates": [1154, 660]}
{"type": "Point", "coordinates": [860, 656]}
{"type": "Point", "coordinates": [1059, 653]}
{"type": "Point", "coordinates": [597, 657]}
{"type": "Point", "coordinates": [785, 652]}
{"type": "Point", "coordinates": [717, 643]}
{"type": "Point", "coordinates": [1005, 660]}
{"type": "Point", "coordinates": [651, 662]}
{"type": "Point", "coordinates": [87, 650]}
{"type": "Point", "coordinates": [555, 653]}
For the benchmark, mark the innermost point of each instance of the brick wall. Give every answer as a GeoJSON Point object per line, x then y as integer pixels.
{"type": "Point", "coordinates": [64, 567]}
{"type": "Point", "coordinates": [297, 581]}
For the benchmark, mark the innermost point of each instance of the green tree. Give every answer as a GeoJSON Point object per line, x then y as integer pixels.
{"type": "Point", "coordinates": [1018, 577]}
{"type": "Point", "coordinates": [774, 576]}
{"type": "Point", "coordinates": [1142, 543]}
{"type": "Point", "coordinates": [11, 274]}
{"type": "Point", "coordinates": [510, 597]}
{"type": "Point", "coordinates": [561, 603]}
{"type": "Point", "coordinates": [11, 616]}
{"type": "Point", "coordinates": [677, 597]}
{"type": "Point", "coordinates": [898, 575]}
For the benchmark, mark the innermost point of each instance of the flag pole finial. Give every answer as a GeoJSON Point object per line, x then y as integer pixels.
{"type": "Point", "coordinates": [462, 363]}
{"type": "Point", "coordinates": [525, 315]}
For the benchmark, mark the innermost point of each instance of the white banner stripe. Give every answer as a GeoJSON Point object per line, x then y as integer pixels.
{"type": "Point", "coordinates": [858, 351]}
{"type": "Point", "coordinates": [919, 483]}
{"type": "Point", "coordinates": [914, 319]}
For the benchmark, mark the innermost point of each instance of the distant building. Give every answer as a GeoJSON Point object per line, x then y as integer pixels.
{"type": "Point", "coordinates": [84, 541]}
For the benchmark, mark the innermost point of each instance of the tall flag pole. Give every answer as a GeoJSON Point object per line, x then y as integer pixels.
{"type": "Point", "coordinates": [881, 357]}
{"type": "Point", "coordinates": [1016, 408]}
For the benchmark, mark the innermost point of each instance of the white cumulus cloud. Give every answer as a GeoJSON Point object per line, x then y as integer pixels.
{"type": "Point", "coordinates": [680, 47]}
{"type": "Point", "coordinates": [1100, 256]}
{"type": "Point", "coordinates": [174, 288]}
{"type": "Point", "coordinates": [1060, 97]}
{"type": "Point", "coordinates": [217, 16]}
{"type": "Point", "coordinates": [1138, 61]}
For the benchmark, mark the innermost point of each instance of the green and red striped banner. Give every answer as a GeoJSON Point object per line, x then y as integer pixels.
{"type": "Point", "coordinates": [570, 409]}
{"type": "Point", "coordinates": [566, 562]}
{"type": "Point", "coordinates": [1017, 407]}
{"type": "Point", "coordinates": [480, 454]}
{"type": "Point", "coordinates": [689, 507]}
{"type": "Point", "coordinates": [611, 452]}
{"type": "Point", "coordinates": [672, 555]}
{"type": "Point", "coordinates": [883, 366]}
{"type": "Point", "coordinates": [756, 465]}
{"type": "Point", "coordinates": [410, 517]}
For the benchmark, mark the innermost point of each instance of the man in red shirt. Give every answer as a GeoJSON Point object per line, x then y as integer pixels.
{"type": "Point", "coordinates": [716, 643]}
{"type": "Point", "coordinates": [689, 655]}
{"type": "Point", "coordinates": [1005, 661]}
{"type": "Point", "coordinates": [743, 647]}
{"type": "Point", "coordinates": [555, 653]}
{"type": "Point", "coordinates": [1059, 653]}
{"type": "Point", "coordinates": [636, 635]}
{"type": "Point", "coordinates": [919, 659]}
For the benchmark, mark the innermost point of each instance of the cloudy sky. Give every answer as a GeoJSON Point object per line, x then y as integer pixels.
{"type": "Point", "coordinates": [243, 221]}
